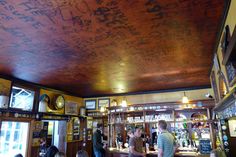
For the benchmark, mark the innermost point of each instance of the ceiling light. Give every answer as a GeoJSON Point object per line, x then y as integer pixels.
{"type": "Point", "coordinates": [185, 99]}
{"type": "Point", "coordinates": [131, 108]}
{"type": "Point", "coordinates": [102, 109]}
{"type": "Point", "coordinates": [124, 102]}
{"type": "Point", "coordinates": [114, 102]}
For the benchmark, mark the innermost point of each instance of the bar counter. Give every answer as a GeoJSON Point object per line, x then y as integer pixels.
{"type": "Point", "coordinates": [113, 152]}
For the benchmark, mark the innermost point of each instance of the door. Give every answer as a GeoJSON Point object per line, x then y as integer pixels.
{"type": "Point", "coordinates": [13, 138]}
{"type": "Point", "coordinates": [59, 135]}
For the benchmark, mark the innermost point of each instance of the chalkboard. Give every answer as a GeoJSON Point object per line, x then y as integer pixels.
{"type": "Point", "coordinates": [231, 73]}
{"type": "Point", "coordinates": [205, 146]}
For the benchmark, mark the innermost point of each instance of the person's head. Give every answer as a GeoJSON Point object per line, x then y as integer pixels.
{"type": "Point", "coordinates": [162, 125]}
{"type": "Point", "coordinates": [81, 153]}
{"type": "Point", "coordinates": [217, 153]}
{"type": "Point", "coordinates": [19, 155]}
{"type": "Point", "coordinates": [130, 133]}
{"type": "Point", "coordinates": [99, 126]}
{"type": "Point", "coordinates": [59, 154]}
{"type": "Point", "coordinates": [51, 151]}
{"type": "Point", "coordinates": [138, 132]}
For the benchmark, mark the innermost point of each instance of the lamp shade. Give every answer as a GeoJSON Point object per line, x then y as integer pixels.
{"type": "Point", "coordinates": [124, 103]}
{"type": "Point", "coordinates": [185, 99]}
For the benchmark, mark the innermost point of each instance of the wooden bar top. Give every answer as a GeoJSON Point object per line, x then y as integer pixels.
{"type": "Point", "coordinates": [114, 152]}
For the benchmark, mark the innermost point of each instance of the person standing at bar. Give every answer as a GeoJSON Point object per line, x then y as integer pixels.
{"type": "Point", "coordinates": [130, 133]}
{"type": "Point", "coordinates": [98, 147]}
{"type": "Point", "coordinates": [136, 144]}
{"type": "Point", "coordinates": [165, 141]}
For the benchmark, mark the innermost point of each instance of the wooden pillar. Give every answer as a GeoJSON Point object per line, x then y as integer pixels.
{"type": "Point", "coordinates": [211, 129]}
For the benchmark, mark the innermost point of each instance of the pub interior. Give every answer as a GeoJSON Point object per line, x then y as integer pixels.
{"type": "Point", "coordinates": [67, 66]}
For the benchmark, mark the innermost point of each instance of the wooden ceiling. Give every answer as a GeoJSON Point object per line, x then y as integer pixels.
{"type": "Point", "coordinates": [101, 47]}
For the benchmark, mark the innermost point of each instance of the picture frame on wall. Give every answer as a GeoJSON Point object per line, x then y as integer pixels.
{"type": "Point", "coordinates": [90, 104]}
{"type": "Point", "coordinates": [216, 63]}
{"type": "Point", "coordinates": [105, 102]}
{"type": "Point", "coordinates": [71, 108]}
{"type": "Point", "coordinates": [232, 127]}
{"type": "Point", "coordinates": [214, 86]}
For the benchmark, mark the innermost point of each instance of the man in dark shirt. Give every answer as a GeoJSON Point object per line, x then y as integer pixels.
{"type": "Point", "coordinates": [136, 144]}
{"type": "Point", "coordinates": [98, 147]}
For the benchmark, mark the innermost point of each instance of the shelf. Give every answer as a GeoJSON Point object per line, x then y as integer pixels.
{"type": "Point", "coordinates": [98, 116]}
{"type": "Point", "coordinates": [230, 54]}
{"type": "Point", "coordinates": [187, 121]}
{"type": "Point", "coordinates": [127, 112]}
{"type": "Point", "coordinates": [165, 105]}
{"type": "Point", "coordinates": [125, 123]}
{"type": "Point", "coordinates": [160, 111]}
{"type": "Point", "coordinates": [89, 111]}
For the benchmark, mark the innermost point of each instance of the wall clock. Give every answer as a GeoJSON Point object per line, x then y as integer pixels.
{"type": "Point", "coordinates": [59, 102]}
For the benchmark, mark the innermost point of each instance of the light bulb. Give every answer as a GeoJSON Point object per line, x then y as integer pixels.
{"type": "Point", "coordinates": [124, 103]}
{"type": "Point", "coordinates": [185, 99]}
{"type": "Point", "coordinates": [102, 109]}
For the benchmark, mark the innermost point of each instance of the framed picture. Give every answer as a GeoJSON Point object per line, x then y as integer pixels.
{"type": "Point", "coordinates": [91, 104]}
{"type": "Point", "coordinates": [216, 63]}
{"type": "Point", "coordinates": [214, 86]}
{"type": "Point", "coordinates": [103, 102]}
{"type": "Point", "coordinates": [89, 123]}
{"type": "Point", "coordinates": [71, 108]}
{"type": "Point", "coordinates": [232, 127]}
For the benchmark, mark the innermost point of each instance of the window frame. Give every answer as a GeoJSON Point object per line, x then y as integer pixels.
{"type": "Point", "coordinates": [27, 87]}
{"type": "Point", "coordinates": [29, 140]}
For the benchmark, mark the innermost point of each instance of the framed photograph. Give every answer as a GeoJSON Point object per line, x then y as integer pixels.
{"type": "Point", "coordinates": [214, 86]}
{"type": "Point", "coordinates": [103, 102]}
{"type": "Point", "coordinates": [232, 127]}
{"type": "Point", "coordinates": [91, 104]}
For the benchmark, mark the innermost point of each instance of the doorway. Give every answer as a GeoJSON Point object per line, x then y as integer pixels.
{"type": "Point", "coordinates": [56, 134]}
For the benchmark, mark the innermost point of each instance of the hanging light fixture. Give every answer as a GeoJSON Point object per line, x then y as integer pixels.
{"type": "Point", "coordinates": [114, 102]}
{"type": "Point", "coordinates": [102, 109]}
{"type": "Point", "coordinates": [185, 99]}
{"type": "Point", "coordinates": [124, 102]}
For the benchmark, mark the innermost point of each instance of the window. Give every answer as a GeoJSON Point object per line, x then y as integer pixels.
{"type": "Point", "coordinates": [13, 138]}
{"type": "Point", "coordinates": [22, 98]}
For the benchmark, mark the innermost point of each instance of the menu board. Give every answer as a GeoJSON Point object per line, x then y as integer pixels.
{"type": "Point", "coordinates": [231, 73]}
{"type": "Point", "coordinates": [76, 129]}
{"type": "Point", "coordinates": [205, 146]}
